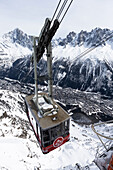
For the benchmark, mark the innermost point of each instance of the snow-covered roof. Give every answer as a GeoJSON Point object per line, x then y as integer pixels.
{"type": "Point", "coordinates": [47, 121]}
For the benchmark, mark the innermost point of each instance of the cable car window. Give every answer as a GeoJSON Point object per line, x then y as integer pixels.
{"type": "Point", "coordinates": [55, 132]}
{"type": "Point", "coordinates": [63, 129]}
{"type": "Point", "coordinates": [46, 144]}
{"type": "Point", "coordinates": [46, 135]}
{"type": "Point", "coordinates": [46, 138]}
{"type": "Point", "coordinates": [38, 131]}
{"type": "Point", "coordinates": [67, 125]}
{"type": "Point", "coordinates": [66, 132]}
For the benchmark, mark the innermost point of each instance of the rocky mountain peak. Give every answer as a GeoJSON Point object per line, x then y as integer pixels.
{"type": "Point", "coordinates": [89, 39]}
{"type": "Point", "coordinates": [19, 37]}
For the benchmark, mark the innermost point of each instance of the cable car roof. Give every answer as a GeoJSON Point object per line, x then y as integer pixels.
{"type": "Point", "coordinates": [47, 121]}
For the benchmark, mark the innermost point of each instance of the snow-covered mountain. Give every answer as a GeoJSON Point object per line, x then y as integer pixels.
{"type": "Point", "coordinates": [92, 72]}
{"type": "Point", "coordinates": [19, 37]}
{"type": "Point", "coordinates": [85, 72]}
{"type": "Point", "coordinates": [13, 45]}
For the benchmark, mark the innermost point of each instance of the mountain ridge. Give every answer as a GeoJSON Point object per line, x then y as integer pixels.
{"type": "Point", "coordinates": [19, 37]}
{"type": "Point", "coordinates": [88, 72]}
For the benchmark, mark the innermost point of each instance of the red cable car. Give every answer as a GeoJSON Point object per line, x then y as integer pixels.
{"type": "Point", "coordinates": [49, 121]}
{"type": "Point", "coordinates": [51, 129]}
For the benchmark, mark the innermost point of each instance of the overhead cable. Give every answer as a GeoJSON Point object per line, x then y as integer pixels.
{"type": "Point", "coordinates": [92, 48]}
{"type": "Point", "coordinates": [56, 10]}
{"type": "Point", "coordinates": [61, 9]}
{"type": "Point", "coordinates": [66, 11]}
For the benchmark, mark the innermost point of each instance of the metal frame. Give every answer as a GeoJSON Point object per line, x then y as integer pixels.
{"type": "Point", "coordinates": [100, 135]}
{"type": "Point", "coordinates": [49, 70]}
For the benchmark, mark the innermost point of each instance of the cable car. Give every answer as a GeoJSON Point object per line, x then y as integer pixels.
{"type": "Point", "coordinates": [104, 157]}
{"type": "Point", "coordinates": [50, 122]}
{"type": "Point", "coordinates": [51, 129]}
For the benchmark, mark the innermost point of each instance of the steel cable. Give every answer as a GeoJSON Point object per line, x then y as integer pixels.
{"type": "Point", "coordinates": [61, 9]}
{"type": "Point", "coordinates": [56, 10]}
{"type": "Point", "coordinates": [66, 11]}
{"type": "Point", "coordinates": [92, 48]}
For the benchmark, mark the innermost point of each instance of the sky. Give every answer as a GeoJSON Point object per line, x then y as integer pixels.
{"type": "Point", "coordinates": [29, 15]}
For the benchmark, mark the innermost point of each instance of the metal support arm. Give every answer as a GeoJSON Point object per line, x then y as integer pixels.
{"type": "Point", "coordinates": [35, 73]}
{"type": "Point", "coordinates": [49, 69]}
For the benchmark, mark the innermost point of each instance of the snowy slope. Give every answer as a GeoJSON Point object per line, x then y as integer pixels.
{"type": "Point", "coordinates": [71, 53]}
{"type": "Point", "coordinates": [87, 72]}
{"type": "Point", "coordinates": [19, 148]}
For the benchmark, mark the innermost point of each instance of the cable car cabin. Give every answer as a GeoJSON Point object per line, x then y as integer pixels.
{"type": "Point", "coordinates": [49, 121]}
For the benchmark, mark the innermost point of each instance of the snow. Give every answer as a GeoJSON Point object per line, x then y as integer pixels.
{"type": "Point", "coordinates": [60, 76]}
{"type": "Point", "coordinates": [10, 52]}
{"type": "Point", "coordinates": [14, 150]}
{"type": "Point", "coordinates": [69, 153]}
{"type": "Point", "coordinates": [19, 148]}
{"type": "Point", "coordinates": [9, 147]}
{"type": "Point", "coordinates": [44, 105]}
{"type": "Point", "coordinates": [71, 53]}
{"type": "Point", "coordinates": [11, 101]}
{"type": "Point", "coordinates": [15, 154]}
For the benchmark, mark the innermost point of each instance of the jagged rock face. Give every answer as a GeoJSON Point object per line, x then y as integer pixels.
{"type": "Point", "coordinates": [84, 76]}
{"type": "Point", "coordinates": [19, 37]}
{"type": "Point", "coordinates": [88, 73]}
{"type": "Point", "coordinates": [22, 67]}
{"type": "Point", "coordinates": [13, 46]}
{"type": "Point", "coordinates": [89, 38]}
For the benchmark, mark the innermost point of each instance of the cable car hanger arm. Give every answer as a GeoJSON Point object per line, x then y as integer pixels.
{"type": "Point", "coordinates": [49, 31]}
